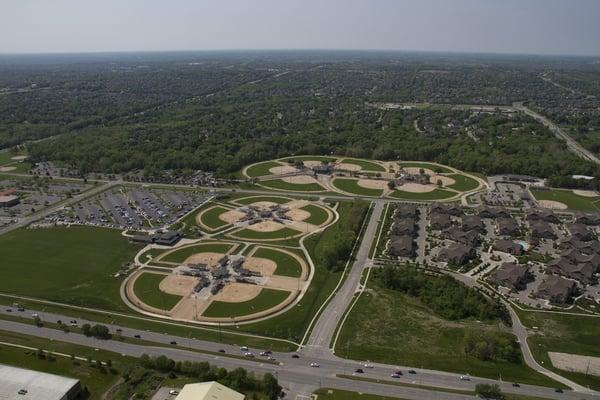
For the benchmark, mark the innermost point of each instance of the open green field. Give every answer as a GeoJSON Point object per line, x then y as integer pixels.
{"type": "Point", "coordinates": [286, 264]}
{"type": "Point", "coordinates": [364, 164]}
{"type": "Point", "coordinates": [255, 235]}
{"type": "Point", "coordinates": [179, 256]}
{"type": "Point", "coordinates": [67, 265]}
{"type": "Point", "coordinates": [256, 199]}
{"type": "Point", "coordinates": [463, 183]}
{"type": "Point", "coordinates": [433, 167]}
{"type": "Point", "coordinates": [211, 219]}
{"type": "Point", "coordinates": [261, 169]}
{"type": "Point", "coordinates": [437, 194]}
{"type": "Point", "coordinates": [352, 186]}
{"type": "Point", "coordinates": [267, 298]}
{"type": "Point", "coordinates": [390, 327]}
{"type": "Point", "coordinates": [147, 290]}
{"type": "Point", "coordinates": [335, 394]}
{"type": "Point", "coordinates": [573, 201]}
{"type": "Point", "coordinates": [318, 215]}
{"type": "Point", "coordinates": [309, 158]}
{"type": "Point", "coordinates": [296, 187]}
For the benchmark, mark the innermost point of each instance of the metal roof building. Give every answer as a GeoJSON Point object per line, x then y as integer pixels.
{"type": "Point", "coordinates": [25, 384]}
{"type": "Point", "coordinates": [208, 391]}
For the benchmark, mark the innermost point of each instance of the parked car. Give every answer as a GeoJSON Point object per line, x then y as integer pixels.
{"type": "Point", "coordinates": [221, 351]}
{"type": "Point", "coordinates": [515, 384]}
{"type": "Point", "coordinates": [248, 354]}
{"type": "Point", "coordinates": [244, 348]}
{"type": "Point", "coordinates": [137, 336]}
{"type": "Point", "coordinates": [173, 342]}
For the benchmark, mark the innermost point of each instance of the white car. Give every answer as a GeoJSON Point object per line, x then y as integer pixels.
{"type": "Point", "coordinates": [244, 348]}
{"type": "Point", "coordinates": [368, 365]}
{"type": "Point", "coordinates": [173, 392]}
{"type": "Point", "coordinates": [465, 378]}
{"type": "Point", "coordinates": [249, 354]}
{"type": "Point", "coordinates": [314, 365]}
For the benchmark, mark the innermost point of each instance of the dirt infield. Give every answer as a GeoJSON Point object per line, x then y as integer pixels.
{"type": "Point", "coordinates": [232, 216]}
{"type": "Point", "coordinates": [576, 363]}
{"type": "Point", "coordinates": [313, 163]}
{"type": "Point", "coordinates": [266, 226]}
{"type": "Point", "coordinates": [372, 183]}
{"type": "Point", "coordinates": [553, 205]}
{"type": "Point", "coordinates": [416, 188]}
{"type": "Point", "coordinates": [348, 167]}
{"type": "Point", "coordinates": [446, 181]}
{"type": "Point", "coordinates": [284, 169]}
{"type": "Point", "coordinates": [208, 258]}
{"type": "Point", "coordinates": [263, 205]}
{"type": "Point", "coordinates": [237, 293]}
{"type": "Point", "coordinates": [300, 179]}
{"type": "Point", "coordinates": [297, 214]}
{"type": "Point", "coordinates": [262, 265]}
{"type": "Point", "coordinates": [416, 171]}
{"type": "Point", "coordinates": [586, 193]}
{"type": "Point", "coordinates": [7, 169]}
{"type": "Point", "coordinates": [180, 285]}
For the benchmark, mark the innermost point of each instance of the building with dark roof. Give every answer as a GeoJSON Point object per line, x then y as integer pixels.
{"type": "Point", "coordinates": [556, 289]}
{"type": "Point", "coordinates": [456, 234]}
{"type": "Point", "coordinates": [582, 272]}
{"type": "Point", "coordinates": [581, 232]}
{"type": "Point", "coordinates": [588, 219]}
{"type": "Point", "coordinates": [494, 213]}
{"type": "Point", "coordinates": [541, 230]}
{"type": "Point", "coordinates": [543, 215]}
{"type": "Point", "coordinates": [512, 276]}
{"type": "Point", "coordinates": [440, 221]}
{"type": "Point", "coordinates": [404, 227]}
{"type": "Point", "coordinates": [473, 223]}
{"type": "Point", "coordinates": [8, 201]}
{"type": "Point", "coordinates": [457, 254]}
{"type": "Point", "coordinates": [449, 209]}
{"type": "Point", "coordinates": [508, 246]}
{"type": "Point", "coordinates": [402, 246]}
{"type": "Point", "coordinates": [406, 211]}
{"type": "Point", "coordinates": [508, 227]}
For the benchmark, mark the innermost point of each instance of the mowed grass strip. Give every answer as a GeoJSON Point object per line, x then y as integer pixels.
{"type": "Point", "coordinates": [282, 233]}
{"type": "Point", "coordinates": [437, 194]}
{"type": "Point", "coordinates": [463, 183]}
{"type": "Point", "coordinates": [147, 290]}
{"type": "Point", "coordinates": [572, 200]}
{"type": "Point", "coordinates": [73, 265]}
{"type": "Point", "coordinates": [318, 215]}
{"type": "Point", "coordinates": [180, 255]}
{"type": "Point", "coordinates": [266, 299]}
{"type": "Point", "coordinates": [280, 184]}
{"type": "Point", "coordinates": [256, 199]}
{"type": "Point", "coordinates": [286, 264]}
{"type": "Point", "coordinates": [435, 168]}
{"type": "Point", "coordinates": [352, 186]}
{"type": "Point", "coordinates": [262, 169]}
{"type": "Point", "coordinates": [364, 164]}
{"type": "Point", "coordinates": [291, 160]}
{"type": "Point", "coordinates": [335, 394]}
{"type": "Point", "coordinates": [210, 217]}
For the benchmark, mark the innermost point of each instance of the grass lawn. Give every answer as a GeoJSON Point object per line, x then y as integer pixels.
{"type": "Point", "coordinates": [318, 215]}
{"type": "Point", "coordinates": [282, 233]}
{"type": "Point", "coordinates": [179, 256]}
{"type": "Point", "coordinates": [67, 265]}
{"type": "Point", "coordinates": [211, 219]}
{"type": "Point", "coordinates": [390, 327]}
{"type": "Point", "coordinates": [335, 394]}
{"type": "Point", "coordinates": [436, 194]}
{"type": "Point", "coordinates": [364, 164]}
{"type": "Point", "coordinates": [146, 289]}
{"type": "Point", "coordinates": [262, 169]}
{"type": "Point", "coordinates": [463, 183]}
{"type": "Point", "coordinates": [286, 264]}
{"type": "Point", "coordinates": [297, 187]}
{"type": "Point", "coordinates": [309, 158]}
{"type": "Point", "coordinates": [256, 199]}
{"type": "Point", "coordinates": [573, 201]}
{"type": "Point", "coordinates": [433, 167]}
{"type": "Point", "coordinates": [267, 298]}
{"type": "Point", "coordinates": [352, 186]}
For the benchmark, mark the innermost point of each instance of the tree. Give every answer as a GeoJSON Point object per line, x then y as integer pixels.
{"type": "Point", "coordinates": [439, 183]}
{"type": "Point", "coordinates": [391, 185]}
{"type": "Point", "coordinates": [489, 391]}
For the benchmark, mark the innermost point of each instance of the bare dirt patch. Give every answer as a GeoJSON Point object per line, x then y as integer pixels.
{"type": "Point", "coordinates": [237, 292]}
{"type": "Point", "coordinates": [283, 283]}
{"type": "Point", "coordinates": [19, 158]}
{"type": "Point", "coordinates": [7, 169]}
{"type": "Point", "coordinates": [586, 193]}
{"type": "Point", "coordinates": [416, 188]}
{"type": "Point", "coordinates": [297, 214]}
{"type": "Point", "coordinates": [348, 167]}
{"type": "Point", "coordinates": [208, 258]}
{"type": "Point", "coordinates": [553, 205]}
{"type": "Point", "coordinates": [576, 363]}
{"type": "Point", "coordinates": [373, 183]}
{"type": "Point", "coordinates": [261, 265]}
{"type": "Point", "coordinates": [266, 226]}
{"type": "Point", "coordinates": [299, 179]}
{"type": "Point", "coordinates": [180, 285]}
{"type": "Point", "coordinates": [284, 169]}
{"type": "Point", "coordinates": [189, 308]}
{"type": "Point", "coordinates": [232, 216]}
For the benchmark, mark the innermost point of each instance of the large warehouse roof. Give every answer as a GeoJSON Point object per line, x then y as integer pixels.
{"type": "Point", "coordinates": [39, 385]}
{"type": "Point", "coordinates": [208, 391]}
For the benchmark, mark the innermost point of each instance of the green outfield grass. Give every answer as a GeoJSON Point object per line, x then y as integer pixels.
{"type": "Point", "coordinates": [267, 298]}
{"type": "Point", "coordinates": [73, 265]}
{"type": "Point", "coordinates": [435, 168]}
{"type": "Point", "coordinates": [573, 201]}
{"type": "Point", "coordinates": [261, 169]}
{"type": "Point", "coordinates": [179, 256]}
{"type": "Point", "coordinates": [296, 187]}
{"type": "Point", "coordinates": [463, 183]}
{"type": "Point", "coordinates": [351, 186]}
{"type": "Point", "coordinates": [280, 234]}
{"type": "Point", "coordinates": [364, 164]}
{"type": "Point", "coordinates": [286, 264]}
{"type": "Point", "coordinates": [147, 290]}
{"type": "Point", "coordinates": [309, 158]}
{"type": "Point", "coordinates": [437, 194]}
{"type": "Point", "coordinates": [211, 219]}
{"type": "Point", "coordinates": [255, 199]}
{"type": "Point", "coordinates": [318, 215]}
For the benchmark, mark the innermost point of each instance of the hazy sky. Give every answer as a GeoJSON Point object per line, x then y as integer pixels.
{"type": "Point", "coordinates": [513, 26]}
